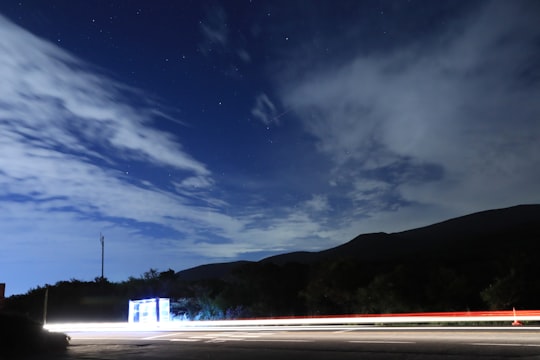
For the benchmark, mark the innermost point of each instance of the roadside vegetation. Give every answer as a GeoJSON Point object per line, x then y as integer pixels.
{"type": "Point", "coordinates": [339, 286]}
{"type": "Point", "coordinates": [483, 261]}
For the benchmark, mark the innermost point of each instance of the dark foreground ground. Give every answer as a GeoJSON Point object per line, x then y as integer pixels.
{"type": "Point", "coordinates": [20, 336]}
{"type": "Point", "coordinates": [335, 343]}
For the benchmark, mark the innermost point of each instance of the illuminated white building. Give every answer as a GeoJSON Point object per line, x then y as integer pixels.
{"type": "Point", "coordinates": [149, 310]}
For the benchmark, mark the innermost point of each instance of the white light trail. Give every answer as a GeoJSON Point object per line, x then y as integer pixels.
{"type": "Point", "coordinates": [293, 323]}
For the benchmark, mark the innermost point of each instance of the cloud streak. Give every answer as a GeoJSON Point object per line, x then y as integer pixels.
{"type": "Point", "coordinates": [70, 139]}
{"type": "Point", "coordinates": [459, 108]}
{"type": "Point", "coordinates": [67, 132]}
{"type": "Point", "coordinates": [217, 38]}
{"type": "Point", "coordinates": [53, 99]}
{"type": "Point", "coordinates": [265, 111]}
{"type": "Point", "coordinates": [214, 28]}
{"type": "Point", "coordinates": [403, 137]}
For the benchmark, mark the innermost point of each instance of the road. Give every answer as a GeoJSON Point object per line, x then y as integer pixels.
{"type": "Point", "coordinates": [265, 343]}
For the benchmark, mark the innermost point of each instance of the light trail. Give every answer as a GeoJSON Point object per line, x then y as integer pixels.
{"type": "Point", "coordinates": [312, 323]}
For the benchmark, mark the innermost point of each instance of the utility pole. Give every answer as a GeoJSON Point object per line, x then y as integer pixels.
{"type": "Point", "coordinates": [102, 240]}
{"type": "Point", "coordinates": [45, 305]}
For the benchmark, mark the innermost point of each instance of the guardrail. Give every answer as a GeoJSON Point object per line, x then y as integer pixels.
{"type": "Point", "coordinates": [513, 317]}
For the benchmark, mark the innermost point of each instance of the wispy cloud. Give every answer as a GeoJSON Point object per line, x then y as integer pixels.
{"type": "Point", "coordinates": [51, 99]}
{"type": "Point", "coordinates": [217, 38]}
{"type": "Point", "coordinates": [69, 141]}
{"type": "Point", "coordinates": [244, 55]}
{"type": "Point", "coordinates": [448, 122]}
{"type": "Point", "coordinates": [265, 111]}
{"type": "Point", "coordinates": [414, 134]}
{"type": "Point", "coordinates": [214, 28]}
{"type": "Point", "coordinates": [67, 132]}
{"type": "Point", "coordinates": [318, 203]}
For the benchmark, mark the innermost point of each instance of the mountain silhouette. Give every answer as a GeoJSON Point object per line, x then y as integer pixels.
{"type": "Point", "coordinates": [476, 237]}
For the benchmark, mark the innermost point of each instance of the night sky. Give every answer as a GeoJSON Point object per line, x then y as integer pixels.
{"type": "Point", "coordinates": [193, 132]}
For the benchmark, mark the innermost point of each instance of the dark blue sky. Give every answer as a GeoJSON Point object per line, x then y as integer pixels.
{"type": "Point", "coordinates": [190, 132]}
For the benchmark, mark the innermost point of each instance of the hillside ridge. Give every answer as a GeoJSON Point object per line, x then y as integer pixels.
{"type": "Point", "coordinates": [423, 241]}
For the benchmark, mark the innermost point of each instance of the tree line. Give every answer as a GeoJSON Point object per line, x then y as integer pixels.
{"type": "Point", "coordinates": [329, 287]}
